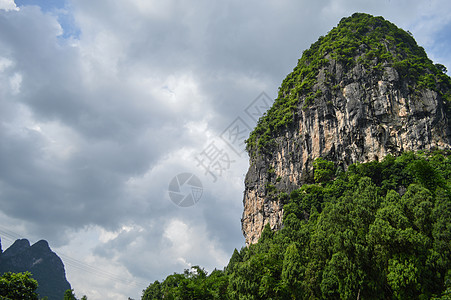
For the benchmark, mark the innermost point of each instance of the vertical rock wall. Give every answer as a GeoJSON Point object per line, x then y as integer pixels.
{"type": "Point", "coordinates": [363, 117]}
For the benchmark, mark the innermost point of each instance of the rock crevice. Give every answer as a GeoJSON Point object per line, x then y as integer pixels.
{"type": "Point", "coordinates": [364, 117]}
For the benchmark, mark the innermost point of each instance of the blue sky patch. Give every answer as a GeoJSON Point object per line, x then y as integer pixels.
{"type": "Point", "coordinates": [442, 45]}
{"type": "Point", "coordinates": [45, 5]}
{"type": "Point", "coordinates": [60, 9]}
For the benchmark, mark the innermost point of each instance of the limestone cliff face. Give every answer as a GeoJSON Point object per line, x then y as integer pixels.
{"type": "Point", "coordinates": [359, 115]}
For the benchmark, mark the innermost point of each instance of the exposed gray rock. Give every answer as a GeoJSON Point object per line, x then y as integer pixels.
{"type": "Point", "coordinates": [369, 116]}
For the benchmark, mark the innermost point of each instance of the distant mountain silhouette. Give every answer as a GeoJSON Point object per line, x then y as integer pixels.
{"type": "Point", "coordinates": [47, 268]}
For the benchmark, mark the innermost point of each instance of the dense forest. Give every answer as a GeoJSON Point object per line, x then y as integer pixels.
{"type": "Point", "coordinates": [375, 230]}
{"type": "Point", "coordinates": [379, 230]}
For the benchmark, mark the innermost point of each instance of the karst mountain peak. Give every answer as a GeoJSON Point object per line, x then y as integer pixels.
{"type": "Point", "coordinates": [361, 92]}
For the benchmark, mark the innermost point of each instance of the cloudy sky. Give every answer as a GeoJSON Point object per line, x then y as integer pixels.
{"type": "Point", "coordinates": [103, 103]}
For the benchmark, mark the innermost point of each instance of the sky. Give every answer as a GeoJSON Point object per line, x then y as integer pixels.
{"type": "Point", "coordinates": [108, 107]}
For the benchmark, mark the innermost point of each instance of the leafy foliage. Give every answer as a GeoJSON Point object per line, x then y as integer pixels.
{"type": "Point", "coordinates": [324, 170]}
{"type": "Point", "coordinates": [69, 295]}
{"type": "Point", "coordinates": [369, 41]}
{"type": "Point", "coordinates": [192, 284]}
{"type": "Point", "coordinates": [21, 286]}
{"type": "Point", "coordinates": [380, 230]}
{"type": "Point", "coordinates": [18, 286]}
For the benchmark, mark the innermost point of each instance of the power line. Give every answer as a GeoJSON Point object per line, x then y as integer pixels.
{"type": "Point", "coordinates": [9, 235]}
{"type": "Point", "coordinates": [99, 272]}
{"type": "Point", "coordinates": [80, 265]}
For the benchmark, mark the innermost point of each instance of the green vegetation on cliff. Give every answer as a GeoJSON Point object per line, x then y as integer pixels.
{"type": "Point", "coordinates": [371, 42]}
{"type": "Point", "coordinates": [380, 230]}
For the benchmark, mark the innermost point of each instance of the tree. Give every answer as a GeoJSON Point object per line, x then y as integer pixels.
{"type": "Point", "coordinates": [153, 291]}
{"type": "Point", "coordinates": [323, 170]}
{"type": "Point", "coordinates": [403, 275]}
{"type": "Point", "coordinates": [236, 258]}
{"type": "Point", "coordinates": [292, 272]}
{"type": "Point", "coordinates": [441, 67]}
{"type": "Point", "coordinates": [18, 286]}
{"type": "Point", "coordinates": [379, 230]}
{"type": "Point", "coordinates": [69, 295]}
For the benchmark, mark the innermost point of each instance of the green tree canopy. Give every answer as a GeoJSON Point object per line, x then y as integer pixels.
{"type": "Point", "coordinates": [69, 295]}
{"type": "Point", "coordinates": [18, 286]}
{"type": "Point", "coordinates": [380, 230]}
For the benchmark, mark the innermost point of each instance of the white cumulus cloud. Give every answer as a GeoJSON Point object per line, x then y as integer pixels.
{"type": "Point", "coordinates": [8, 5]}
{"type": "Point", "coordinates": [94, 126]}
